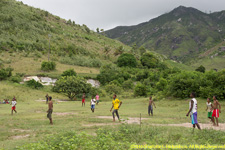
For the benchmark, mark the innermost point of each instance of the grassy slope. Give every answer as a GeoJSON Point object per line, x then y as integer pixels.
{"type": "Point", "coordinates": [31, 115]}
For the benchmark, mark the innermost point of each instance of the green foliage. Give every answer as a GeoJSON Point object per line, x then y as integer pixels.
{"type": "Point", "coordinates": [48, 66]}
{"type": "Point", "coordinates": [161, 85]}
{"type": "Point", "coordinates": [34, 84]}
{"type": "Point", "coordinates": [72, 86]}
{"type": "Point", "coordinates": [5, 73]}
{"type": "Point", "coordinates": [113, 88]}
{"type": "Point", "coordinates": [107, 74]}
{"type": "Point", "coordinates": [69, 72]}
{"type": "Point", "coordinates": [149, 60]}
{"type": "Point", "coordinates": [126, 60]}
{"type": "Point", "coordinates": [16, 79]}
{"type": "Point", "coordinates": [201, 69]}
{"type": "Point", "coordinates": [128, 84]}
{"type": "Point", "coordinates": [140, 90]}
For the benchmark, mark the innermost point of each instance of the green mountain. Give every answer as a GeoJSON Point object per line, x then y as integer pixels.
{"type": "Point", "coordinates": [27, 29]}
{"type": "Point", "coordinates": [182, 35]}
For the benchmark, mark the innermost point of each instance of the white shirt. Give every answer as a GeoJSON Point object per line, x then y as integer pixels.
{"type": "Point", "coordinates": [194, 109]}
{"type": "Point", "coordinates": [93, 101]}
{"type": "Point", "coordinates": [13, 103]}
{"type": "Point", "coordinates": [209, 105]}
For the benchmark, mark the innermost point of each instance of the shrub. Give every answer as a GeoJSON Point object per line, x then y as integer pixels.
{"type": "Point", "coordinates": [113, 89]}
{"type": "Point", "coordinates": [126, 60]}
{"type": "Point", "coordinates": [128, 84]}
{"type": "Point", "coordinates": [16, 79]}
{"type": "Point", "coordinates": [140, 90]}
{"type": "Point", "coordinates": [48, 66]}
{"type": "Point", "coordinates": [201, 69]}
{"type": "Point", "coordinates": [5, 73]}
{"type": "Point", "coordinates": [149, 60]}
{"type": "Point", "coordinates": [34, 84]}
{"type": "Point", "coordinates": [69, 72]}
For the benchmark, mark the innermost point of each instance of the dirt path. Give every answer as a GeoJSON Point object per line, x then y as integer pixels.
{"type": "Point", "coordinates": [189, 125]}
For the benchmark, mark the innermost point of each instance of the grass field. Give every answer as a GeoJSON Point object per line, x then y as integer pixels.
{"type": "Point", "coordinates": [31, 125]}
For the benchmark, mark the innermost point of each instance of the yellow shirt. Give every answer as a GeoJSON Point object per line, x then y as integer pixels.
{"type": "Point", "coordinates": [116, 103]}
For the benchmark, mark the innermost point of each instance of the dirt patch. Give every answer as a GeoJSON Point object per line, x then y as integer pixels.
{"type": "Point", "coordinates": [20, 136]}
{"type": "Point", "coordinates": [63, 113]}
{"type": "Point", "coordinates": [189, 125]}
{"type": "Point", "coordinates": [20, 130]}
{"type": "Point", "coordinates": [129, 120]}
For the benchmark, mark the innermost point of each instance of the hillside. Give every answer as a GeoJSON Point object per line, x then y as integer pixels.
{"type": "Point", "coordinates": [25, 29]}
{"type": "Point", "coordinates": [182, 34]}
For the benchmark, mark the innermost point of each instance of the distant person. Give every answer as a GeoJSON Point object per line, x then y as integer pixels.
{"type": "Point", "coordinates": [150, 108]}
{"type": "Point", "coordinates": [97, 98]}
{"type": "Point", "coordinates": [93, 101]}
{"type": "Point", "coordinates": [193, 111]}
{"type": "Point", "coordinates": [216, 111]}
{"type": "Point", "coordinates": [209, 108]}
{"type": "Point", "coordinates": [14, 105]}
{"type": "Point", "coordinates": [83, 99]}
{"type": "Point", "coordinates": [116, 103]}
{"type": "Point", "coordinates": [46, 96]}
{"type": "Point", "coordinates": [50, 109]}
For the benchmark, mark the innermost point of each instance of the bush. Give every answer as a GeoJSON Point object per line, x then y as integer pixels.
{"type": "Point", "coordinates": [149, 60]}
{"type": "Point", "coordinates": [140, 90]}
{"type": "Point", "coordinates": [128, 84]}
{"type": "Point", "coordinates": [113, 89]}
{"type": "Point", "coordinates": [126, 60]}
{"type": "Point", "coordinates": [5, 73]}
{"type": "Point", "coordinates": [48, 66]}
{"type": "Point", "coordinates": [16, 79]}
{"type": "Point", "coordinates": [34, 84]}
{"type": "Point", "coordinates": [201, 69]}
{"type": "Point", "coordinates": [69, 72]}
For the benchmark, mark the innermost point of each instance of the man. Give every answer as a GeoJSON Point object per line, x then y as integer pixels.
{"type": "Point", "coordinates": [93, 101]}
{"type": "Point", "coordinates": [116, 103]}
{"type": "Point", "coordinates": [216, 111]}
{"type": "Point", "coordinates": [14, 105]}
{"type": "Point", "coordinates": [83, 99]}
{"type": "Point", "coordinates": [50, 109]}
{"type": "Point", "coordinates": [150, 108]}
{"type": "Point", "coordinates": [46, 96]}
{"type": "Point", "coordinates": [193, 111]}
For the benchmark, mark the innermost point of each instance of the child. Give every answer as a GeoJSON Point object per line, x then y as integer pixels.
{"type": "Point", "coordinates": [150, 109]}
{"type": "Point", "coordinates": [209, 108]}
{"type": "Point", "coordinates": [116, 103]}
{"type": "Point", "coordinates": [50, 109]}
{"type": "Point", "coordinates": [93, 101]}
{"type": "Point", "coordinates": [83, 100]}
{"type": "Point", "coordinates": [216, 111]}
{"type": "Point", "coordinates": [97, 98]}
{"type": "Point", "coordinates": [14, 105]}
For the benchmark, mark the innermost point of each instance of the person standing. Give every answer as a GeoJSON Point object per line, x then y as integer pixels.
{"type": "Point", "coordinates": [46, 96]}
{"type": "Point", "coordinates": [93, 101]}
{"type": "Point", "coordinates": [14, 105]}
{"type": "Point", "coordinates": [50, 109]}
{"type": "Point", "coordinates": [193, 111]}
{"type": "Point", "coordinates": [116, 103]}
{"type": "Point", "coordinates": [150, 108]}
{"type": "Point", "coordinates": [97, 98]}
{"type": "Point", "coordinates": [209, 108]}
{"type": "Point", "coordinates": [216, 111]}
{"type": "Point", "coordinates": [83, 99]}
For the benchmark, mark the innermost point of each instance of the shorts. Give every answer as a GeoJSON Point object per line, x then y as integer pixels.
{"type": "Point", "coordinates": [194, 118]}
{"type": "Point", "coordinates": [209, 114]}
{"type": "Point", "coordinates": [97, 101]}
{"type": "Point", "coordinates": [92, 106]}
{"type": "Point", "coordinates": [215, 113]}
{"type": "Point", "coordinates": [14, 108]}
{"type": "Point", "coordinates": [83, 100]}
{"type": "Point", "coordinates": [49, 115]}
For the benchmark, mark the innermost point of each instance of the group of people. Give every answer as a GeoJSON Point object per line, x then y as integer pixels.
{"type": "Point", "coordinates": [213, 110]}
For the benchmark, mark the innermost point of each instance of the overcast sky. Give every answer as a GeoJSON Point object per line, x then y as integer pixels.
{"type": "Point", "coordinates": [107, 14]}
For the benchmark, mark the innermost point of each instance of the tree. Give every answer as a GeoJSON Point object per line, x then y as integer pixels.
{"type": "Point", "coordinates": [140, 90]}
{"type": "Point", "coordinates": [48, 66]}
{"type": "Point", "coordinates": [127, 60]}
{"type": "Point", "coordinates": [149, 60]}
{"type": "Point", "coordinates": [200, 69]}
{"type": "Point", "coordinates": [142, 50]}
{"type": "Point", "coordinates": [69, 72]}
{"type": "Point", "coordinates": [97, 30]}
{"type": "Point", "coordinates": [72, 86]}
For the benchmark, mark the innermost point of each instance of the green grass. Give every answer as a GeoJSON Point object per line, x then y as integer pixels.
{"type": "Point", "coordinates": [171, 64]}
{"type": "Point", "coordinates": [31, 116]}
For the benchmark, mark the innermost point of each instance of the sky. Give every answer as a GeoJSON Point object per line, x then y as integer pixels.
{"type": "Point", "coordinates": [107, 14]}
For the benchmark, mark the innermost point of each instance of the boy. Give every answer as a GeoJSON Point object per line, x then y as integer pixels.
{"type": "Point", "coordinates": [209, 108]}
{"type": "Point", "coordinates": [14, 105]}
{"type": "Point", "coordinates": [83, 99]}
{"type": "Point", "coordinates": [216, 111]}
{"type": "Point", "coordinates": [150, 108]}
{"type": "Point", "coordinates": [50, 109]}
{"type": "Point", "coordinates": [46, 96]}
{"type": "Point", "coordinates": [97, 98]}
{"type": "Point", "coordinates": [93, 101]}
{"type": "Point", "coordinates": [193, 111]}
{"type": "Point", "coordinates": [116, 103]}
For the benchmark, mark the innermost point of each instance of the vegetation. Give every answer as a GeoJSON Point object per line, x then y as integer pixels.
{"type": "Point", "coordinates": [48, 66]}
{"type": "Point", "coordinates": [200, 69]}
{"type": "Point", "coordinates": [126, 60]}
{"type": "Point", "coordinates": [34, 84]}
{"type": "Point", "coordinates": [69, 72]}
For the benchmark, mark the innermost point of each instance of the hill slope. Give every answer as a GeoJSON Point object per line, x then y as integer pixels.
{"type": "Point", "coordinates": [182, 34]}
